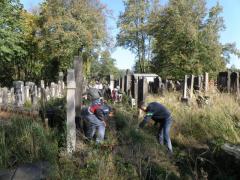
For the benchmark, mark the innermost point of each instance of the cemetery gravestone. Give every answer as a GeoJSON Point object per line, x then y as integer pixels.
{"type": "Point", "coordinates": [71, 126]}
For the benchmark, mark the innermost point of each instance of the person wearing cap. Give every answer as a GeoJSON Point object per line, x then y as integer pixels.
{"type": "Point", "coordinates": [160, 114]}
{"type": "Point", "coordinates": [95, 117]}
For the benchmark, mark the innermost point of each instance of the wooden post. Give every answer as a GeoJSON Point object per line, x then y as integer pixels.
{"type": "Point", "coordinates": [78, 68]}
{"type": "Point", "coordinates": [71, 126]}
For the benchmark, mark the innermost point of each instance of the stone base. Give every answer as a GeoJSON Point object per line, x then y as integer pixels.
{"type": "Point", "coordinates": [185, 100]}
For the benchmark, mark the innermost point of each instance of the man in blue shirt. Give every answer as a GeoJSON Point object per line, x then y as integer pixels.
{"type": "Point", "coordinates": [160, 114]}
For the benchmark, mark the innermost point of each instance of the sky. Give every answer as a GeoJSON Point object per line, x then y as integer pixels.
{"type": "Point", "coordinates": [125, 59]}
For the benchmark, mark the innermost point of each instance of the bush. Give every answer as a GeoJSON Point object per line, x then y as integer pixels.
{"type": "Point", "coordinates": [24, 141]}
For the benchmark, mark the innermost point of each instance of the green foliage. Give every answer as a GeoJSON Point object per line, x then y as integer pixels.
{"type": "Point", "coordinates": [25, 140]}
{"type": "Point", "coordinates": [187, 40]}
{"type": "Point", "coordinates": [68, 27]}
{"type": "Point", "coordinates": [100, 69]}
{"type": "Point", "coordinates": [55, 110]}
{"type": "Point", "coordinates": [134, 30]}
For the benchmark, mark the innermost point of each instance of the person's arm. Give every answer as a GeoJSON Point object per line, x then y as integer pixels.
{"type": "Point", "coordinates": [146, 119]}
{"type": "Point", "coordinates": [100, 115]}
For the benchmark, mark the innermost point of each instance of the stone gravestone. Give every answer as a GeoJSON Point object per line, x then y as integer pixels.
{"type": "Point", "coordinates": [52, 90]}
{"type": "Point", "coordinates": [47, 93]}
{"type": "Point", "coordinates": [61, 84]}
{"type": "Point", "coordinates": [206, 82]}
{"type": "Point", "coordinates": [34, 95]}
{"type": "Point", "coordinates": [12, 96]}
{"type": "Point", "coordinates": [142, 89]}
{"type": "Point", "coordinates": [5, 96]}
{"type": "Point", "coordinates": [222, 81]}
{"type": "Point", "coordinates": [19, 94]}
{"type": "Point", "coordinates": [185, 87]}
{"type": "Point", "coordinates": [191, 86]}
{"type": "Point", "coordinates": [78, 72]}
{"type": "Point", "coordinates": [122, 84]}
{"type": "Point", "coordinates": [127, 81]}
{"type": "Point", "coordinates": [198, 83]}
{"type": "Point", "coordinates": [234, 82]}
{"type": "Point", "coordinates": [157, 84]}
{"type": "Point", "coordinates": [1, 94]}
{"type": "Point", "coordinates": [26, 93]}
{"type": "Point", "coordinates": [71, 126]}
{"type": "Point", "coordinates": [111, 82]}
{"type": "Point", "coordinates": [134, 89]}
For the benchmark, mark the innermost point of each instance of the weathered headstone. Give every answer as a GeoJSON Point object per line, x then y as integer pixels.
{"type": "Point", "coordinates": [122, 84]}
{"type": "Point", "coordinates": [111, 82]}
{"type": "Point", "coordinates": [1, 96]}
{"type": "Point", "coordinates": [185, 87]}
{"type": "Point", "coordinates": [71, 126]}
{"type": "Point", "coordinates": [18, 91]}
{"type": "Point", "coordinates": [191, 86]}
{"type": "Point", "coordinates": [5, 96]}
{"type": "Point", "coordinates": [26, 93]}
{"type": "Point", "coordinates": [206, 81]}
{"type": "Point", "coordinates": [222, 81]}
{"type": "Point", "coordinates": [234, 82]}
{"type": "Point", "coordinates": [127, 86]}
{"type": "Point", "coordinates": [142, 89]}
{"type": "Point", "coordinates": [47, 93]}
{"type": "Point", "coordinates": [78, 70]}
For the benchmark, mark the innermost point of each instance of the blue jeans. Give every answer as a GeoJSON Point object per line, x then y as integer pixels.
{"type": "Point", "coordinates": [164, 131]}
{"type": "Point", "coordinates": [94, 125]}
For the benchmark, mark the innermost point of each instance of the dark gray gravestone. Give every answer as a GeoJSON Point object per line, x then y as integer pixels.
{"type": "Point", "coordinates": [198, 82]}
{"type": "Point", "coordinates": [127, 86]}
{"type": "Point", "coordinates": [78, 69]}
{"type": "Point", "coordinates": [157, 84]}
{"type": "Point", "coordinates": [222, 81]}
{"type": "Point", "coordinates": [142, 89]}
{"type": "Point", "coordinates": [234, 83]}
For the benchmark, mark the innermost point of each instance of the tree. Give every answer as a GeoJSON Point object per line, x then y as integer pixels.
{"type": "Point", "coordinates": [104, 66]}
{"type": "Point", "coordinates": [187, 40]}
{"type": "Point", "coordinates": [68, 27]}
{"type": "Point", "coordinates": [134, 27]}
{"type": "Point", "coordinates": [13, 43]}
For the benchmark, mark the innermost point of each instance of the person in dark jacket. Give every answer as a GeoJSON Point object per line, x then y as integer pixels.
{"type": "Point", "coordinates": [160, 114]}
{"type": "Point", "coordinates": [95, 117]}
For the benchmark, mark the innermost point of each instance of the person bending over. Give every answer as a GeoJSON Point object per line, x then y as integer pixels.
{"type": "Point", "coordinates": [160, 114]}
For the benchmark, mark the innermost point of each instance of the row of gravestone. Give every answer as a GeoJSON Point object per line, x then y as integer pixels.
{"type": "Point", "coordinates": [138, 86]}
{"type": "Point", "coordinates": [228, 82]}
{"type": "Point", "coordinates": [22, 93]}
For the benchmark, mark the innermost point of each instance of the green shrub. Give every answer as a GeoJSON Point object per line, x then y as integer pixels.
{"type": "Point", "coordinates": [25, 140]}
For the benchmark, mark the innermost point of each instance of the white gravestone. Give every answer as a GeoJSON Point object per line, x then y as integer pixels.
{"type": "Point", "coordinates": [71, 126]}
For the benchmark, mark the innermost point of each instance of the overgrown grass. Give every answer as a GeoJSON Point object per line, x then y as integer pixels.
{"type": "Point", "coordinates": [26, 141]}
{"type": "Point", "coordinates": [129, 152]}
{"type": "Point", "coordinates": [216, 121]}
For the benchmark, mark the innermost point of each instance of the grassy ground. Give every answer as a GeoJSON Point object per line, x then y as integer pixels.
{"type": "Point", "coordinates": [130, 153]}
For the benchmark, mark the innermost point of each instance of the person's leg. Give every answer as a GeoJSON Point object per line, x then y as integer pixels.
{"type": "Point", "coordinates": [95, 123]}
{"type": "Point", "coordinates": [166, 133]}
{"type": "Point", "coordinates": [160, 134]}
{"type": "Point", "coordinates": [100, 132]}
{"type": "Point", "coordinates": [90, 126]}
